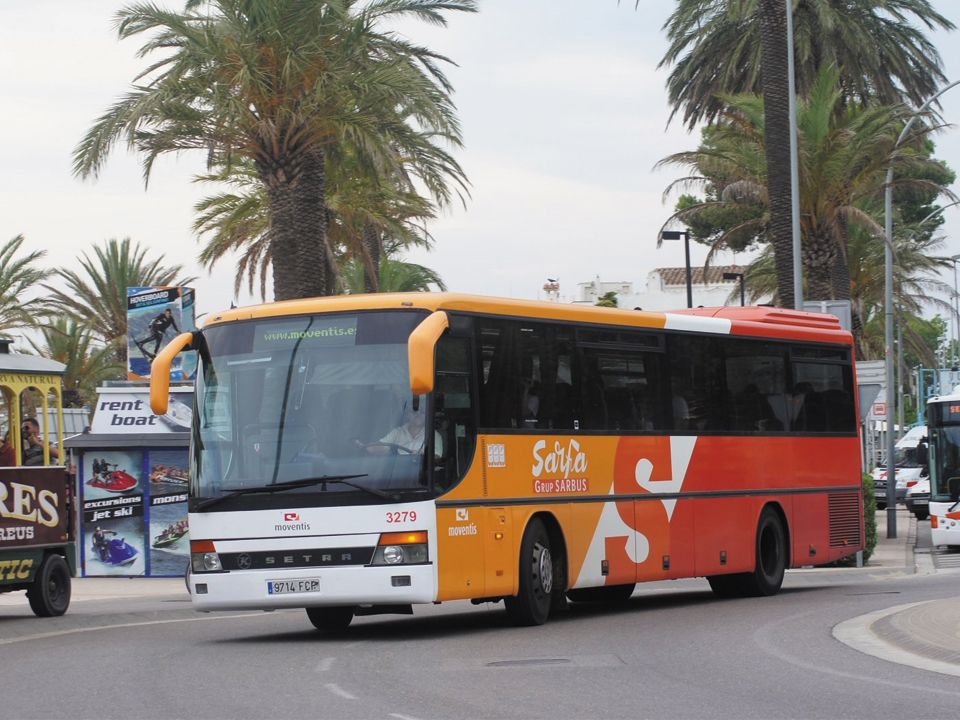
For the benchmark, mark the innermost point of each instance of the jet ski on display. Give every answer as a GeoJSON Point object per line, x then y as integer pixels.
{"type": "Point", "coordinates": [170, 535]}
{"type": "Point", "coordinates": [169, 474]}
{"type": "Point", "coordinates": [117, 552]}
{"type": "Point", "coordinates": [114, 481]}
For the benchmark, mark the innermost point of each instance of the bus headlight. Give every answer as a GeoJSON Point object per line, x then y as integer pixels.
{"type": "Point", "coordinates": [204, 557]}
{"type": "Point", "coordinates": [206, 562]}
{"type": "Point", "coordinates": [408, 548]}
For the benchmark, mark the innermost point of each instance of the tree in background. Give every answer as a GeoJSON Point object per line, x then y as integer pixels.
{"type": "Point", "coordinates": [237, 223]}
{"type": "Point", "coordinates": [608, 299]}
{"type": "Point", "coordinates": [843, 158]}
{"type": "Point", "coordinates": [720, 47]}
{"type": "Point", "coordinates": [18, 278]}
{"type": "Point", "coordinates": [878, 45]}
{"type": "Point", "coordinates": [97, 297]}
{"type": "Point", "coordinates": [88, 363]}
{"type": "Point", "coordinates": [290, 86]}
{"type": "Point", "coordinates": [395, 275]}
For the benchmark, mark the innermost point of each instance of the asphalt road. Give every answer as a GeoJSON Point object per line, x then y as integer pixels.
{"type": "Point", "coordinates": [673, 651]}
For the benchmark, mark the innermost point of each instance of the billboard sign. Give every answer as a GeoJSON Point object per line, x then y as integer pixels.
{"type": "Point", "coordinates": [156, 315]}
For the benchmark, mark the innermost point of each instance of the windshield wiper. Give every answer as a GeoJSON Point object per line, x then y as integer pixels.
{"type": "Point", "coordinates": [290, 485]}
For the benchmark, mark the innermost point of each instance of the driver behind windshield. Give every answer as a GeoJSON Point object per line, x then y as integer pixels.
{"type": "Point", "coordinates": [408, 437]}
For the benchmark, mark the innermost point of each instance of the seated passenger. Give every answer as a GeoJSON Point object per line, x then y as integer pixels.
{"type": "Point", "coordinates": [33, 444]}
{"type": "Point", "coordinates": [8, 456]}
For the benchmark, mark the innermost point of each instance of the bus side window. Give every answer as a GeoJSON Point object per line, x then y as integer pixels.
{"type": "Point", "coordinates": [697, 383]}
{"type": "Point", "coordinates": [453, 411]}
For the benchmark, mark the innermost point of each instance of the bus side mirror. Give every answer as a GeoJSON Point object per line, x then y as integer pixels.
{"type": "Point", "coordinates": [160, 372]}
{"type": "Point", "coordinates": [923, 454]}
{"type": "Point", "coordinates": [421, 351]}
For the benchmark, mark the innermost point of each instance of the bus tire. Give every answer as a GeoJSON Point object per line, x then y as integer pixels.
{"type": "Point", "coordinates": [769, 566]}
{"type": "Point", "coordinates": [333, 619]}
{"type": "Point", "coordinates": [531, 606]}
{"type": "Point", "coordinates": [610, 594]}
{"type": "Point", "coordinates": [49, 594]}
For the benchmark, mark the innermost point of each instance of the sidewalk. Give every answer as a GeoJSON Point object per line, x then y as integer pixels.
{"type": "Point", "coordinates": [924, 635]}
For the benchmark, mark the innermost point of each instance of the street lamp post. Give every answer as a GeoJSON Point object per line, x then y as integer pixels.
{"type": "Point", "coordinates": [685, 236]}
{"type": "Point", "coordinates": [738, 276]}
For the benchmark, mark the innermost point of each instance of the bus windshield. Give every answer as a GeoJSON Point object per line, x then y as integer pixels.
{"type": "Point", "coordinates": [945, 463]}
{"type": "Point", "coordinates": [286, 401]}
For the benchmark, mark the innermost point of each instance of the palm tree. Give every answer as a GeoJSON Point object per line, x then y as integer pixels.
{"type": "Point", "coordinates": [843, 157]}
{"type": "Point", "coordinates": [363, 213]}
{"type": "Point", "coordinates": [291, 86]}
{"type": "Point", "coordinates": [720, 46]}
{"type": "Point", "coordinates": [717, 48]}
{"type": "Point", "coordinates": [18, 276]}
{"type": "Point", "coordinates": [88, 363]}
{"type": "Point", "coordinates": [97, 298]}
{"type": "Point", "coordinates": [395, 275]}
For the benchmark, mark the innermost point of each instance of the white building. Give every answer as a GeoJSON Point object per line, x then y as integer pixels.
{"type": "Point", "coordinates": [666, 289]}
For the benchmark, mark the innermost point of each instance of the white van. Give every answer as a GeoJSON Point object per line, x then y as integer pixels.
{"type": "Point", "coordinates": [909, 470]}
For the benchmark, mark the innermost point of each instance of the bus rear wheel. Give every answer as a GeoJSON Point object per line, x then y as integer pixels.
{"type": "Point", "coordinates": [612, 594]}
{"type": "Point", "coordinates": [769, 568]}
{"type": "Point", "coordinates": [531, 606]}
{"type": "Point", "coordinates": [49, 595]}
{"type": "Point", "coordinates": [331, 619]}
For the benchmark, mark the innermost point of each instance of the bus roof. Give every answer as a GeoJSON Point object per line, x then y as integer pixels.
{"type": "Point", "coordinates": [746, 321]}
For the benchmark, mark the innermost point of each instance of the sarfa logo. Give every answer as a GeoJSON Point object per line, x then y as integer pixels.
{"type": "Point", "coordinates": [563, 468]}
{"type": "Point", "coordinates": [560, 461]}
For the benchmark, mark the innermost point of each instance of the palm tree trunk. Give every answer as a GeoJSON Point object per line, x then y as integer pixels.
{"type": "Point", "coordinates": [820, 258]}
{"type": "Point", "coordinates": [776, 116]}
{"type": "Point", "coordinates": [371, 260]}
{"type": "Point", "coordinates": [298, 227]}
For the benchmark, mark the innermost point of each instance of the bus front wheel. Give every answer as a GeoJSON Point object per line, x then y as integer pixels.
{"type": "Point", "coordinates": [770, 565]}
{"type": "Point", "coordinates": [330, 619]}
{"type": "Point", "coordinates": [531, 606]}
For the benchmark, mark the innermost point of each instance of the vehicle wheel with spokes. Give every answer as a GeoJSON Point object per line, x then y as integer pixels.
{"type": "Point", "coordinates": [331, 619]}
{"type": "Point", "coordinates": [531, 606]}
{"type": "Point", "coordinates": [49, 595]}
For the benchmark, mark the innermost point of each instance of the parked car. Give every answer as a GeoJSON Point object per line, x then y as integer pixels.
{"type": "Point", "coordinates": [909, 467]}
{"type": "Point", "coordinates": [917, 498]}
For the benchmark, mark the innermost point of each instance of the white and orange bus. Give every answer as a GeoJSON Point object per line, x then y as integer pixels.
{"type": "Point", "coordinates": [361, 454]}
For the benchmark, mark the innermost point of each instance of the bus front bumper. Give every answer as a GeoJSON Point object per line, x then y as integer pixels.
{"type": "Point", "coordinates": [313, 587]}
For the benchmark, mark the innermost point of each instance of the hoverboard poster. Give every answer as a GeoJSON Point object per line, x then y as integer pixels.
{"type": "Point", "coordinates": [156, 315]}
{"type": "Point", "coordinates": [112, 495]}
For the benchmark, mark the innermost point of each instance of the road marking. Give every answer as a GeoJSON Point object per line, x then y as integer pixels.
{"type": "Point", "coordinates": [398, 716]}
{"type": "Point", "coordinates": [337, 690]}
{"type": "Point", "coordinates": [76, 631]}
{"type": "Point", "coordinates": [325, 664]}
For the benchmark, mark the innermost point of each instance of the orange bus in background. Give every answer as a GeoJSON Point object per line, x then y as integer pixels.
{"type": "Point", "coordinates": [361, 454]}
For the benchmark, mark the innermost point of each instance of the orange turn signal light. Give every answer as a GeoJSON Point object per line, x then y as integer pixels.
{"type": "Point", "coordinates": [418, 537]}
{"type": "Point", "coordinates": [934, 522]}
{"type": "Point", "coordinates": [202, 546]}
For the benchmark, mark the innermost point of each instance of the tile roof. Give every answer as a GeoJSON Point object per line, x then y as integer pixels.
{"type": "Point", "coordinates": [714, 274]}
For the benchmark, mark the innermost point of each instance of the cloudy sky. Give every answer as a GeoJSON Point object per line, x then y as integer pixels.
{"type": "Point", "coordinates": [563, 111]}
